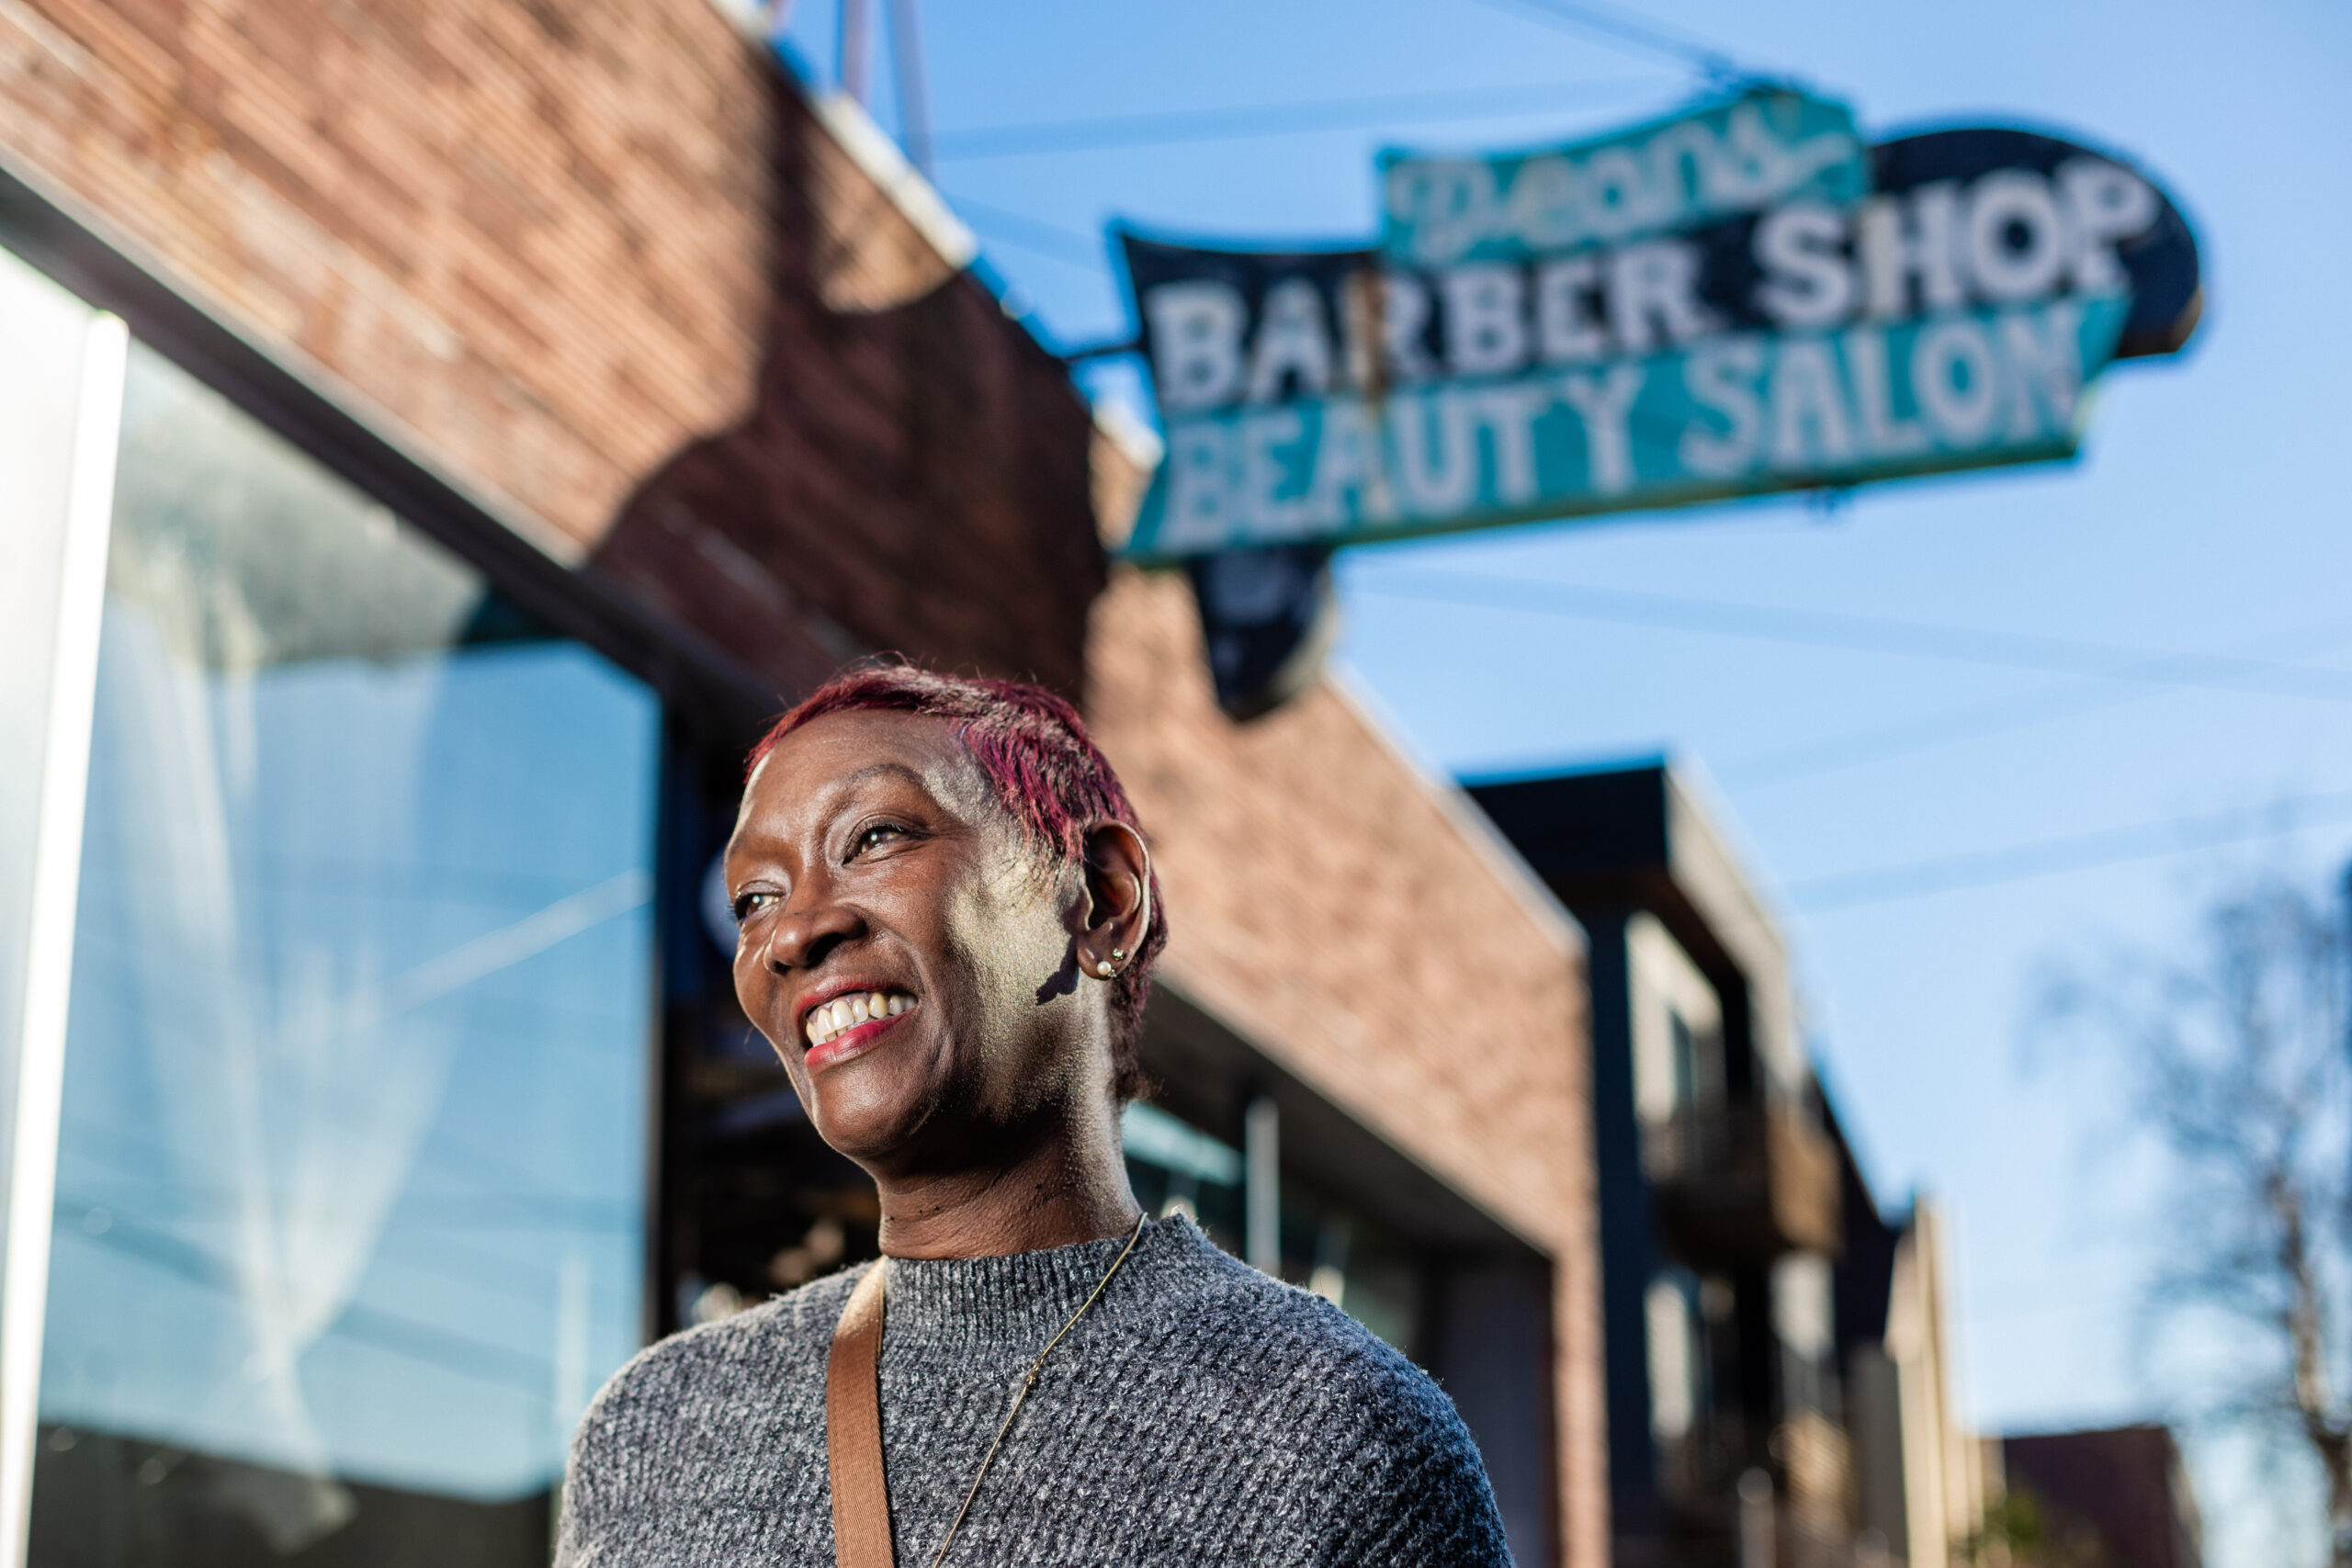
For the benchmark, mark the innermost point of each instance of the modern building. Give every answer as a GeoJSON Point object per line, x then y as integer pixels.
{"type": "Point", "coordinates": [433, 439]}
{"type": "Point", "coordinates": [1778, 1358]}
{"type": "Point", "coordinates": [1923, 1490]}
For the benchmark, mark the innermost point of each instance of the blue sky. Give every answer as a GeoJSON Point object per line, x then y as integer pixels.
{"type": "Point", "coordinates": [2205, 515]}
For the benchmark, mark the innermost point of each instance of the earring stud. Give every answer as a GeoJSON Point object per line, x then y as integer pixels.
{"type": "Point", "coordinates": [1102, 967]}
{"type": "Point", "coordinates": [1118, 952]}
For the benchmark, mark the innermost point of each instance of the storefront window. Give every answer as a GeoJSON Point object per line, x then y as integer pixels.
{"type": "Point", "coordinates": [1176, 1169]}
{"type": "Point", "coordinates": [352, 1183]}
{"type": "Point", "coordinates": [1326, 1247]}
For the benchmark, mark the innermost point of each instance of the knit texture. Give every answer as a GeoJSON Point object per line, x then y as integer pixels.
{"type": "Point", "coordinates": [1200, 1415]}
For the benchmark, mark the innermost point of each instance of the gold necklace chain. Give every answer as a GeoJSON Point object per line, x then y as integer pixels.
{"type": "Point", "coordinates": [1030, 1381]}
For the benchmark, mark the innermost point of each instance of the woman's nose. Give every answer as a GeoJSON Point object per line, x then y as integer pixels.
{"type": "Point", "coordinates": [802, 936]}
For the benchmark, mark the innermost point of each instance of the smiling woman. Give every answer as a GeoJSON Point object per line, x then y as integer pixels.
{"type": "Point", "coordinates": [948, 920]}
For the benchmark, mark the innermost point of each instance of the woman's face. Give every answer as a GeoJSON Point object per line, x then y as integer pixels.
{"type": "Point", "coordinates": [912, 965]}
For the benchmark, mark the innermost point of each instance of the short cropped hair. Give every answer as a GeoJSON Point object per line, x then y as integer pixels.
{"type": "Point", "coordinates": [1045, 771]}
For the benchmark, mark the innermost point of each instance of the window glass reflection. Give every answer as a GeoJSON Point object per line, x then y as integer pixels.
{"type": "Point", "coordinates": [352, 1181]}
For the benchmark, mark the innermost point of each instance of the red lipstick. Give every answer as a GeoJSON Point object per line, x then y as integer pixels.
{"type": "Point", "coordinates": [854, 1042]}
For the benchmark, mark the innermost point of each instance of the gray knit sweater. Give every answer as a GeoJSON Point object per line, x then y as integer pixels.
{"type": "Point", "coordinates": [1200, 1415]}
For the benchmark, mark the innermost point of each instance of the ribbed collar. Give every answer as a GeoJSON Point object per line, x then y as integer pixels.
{"type": "Point", "coordinates": [1019, 1300]}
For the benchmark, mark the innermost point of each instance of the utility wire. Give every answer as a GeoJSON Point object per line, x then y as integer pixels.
{"type": "Point", "coordinates": [1896, 738]}
{"type": "Point", "coordinates": [1034, 234]}
{"type": "Point", "coordinates": [1277, 119]}
{"type": "Point", "coordinates": [2081, 851]}
{"type": "Point", "coordinates": [1911, 638]}
{"type": "Point", "coordinates": [1618, 27]}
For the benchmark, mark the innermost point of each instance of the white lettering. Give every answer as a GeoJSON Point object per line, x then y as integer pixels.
{"type": "Point", "coordinates": [1265, 469]}
{"type": "Point", "coordinates": [1542, 203]}
{"type": "Point", "coordinates": [1509, 413]}
{"type": "Point", "coordinates": [1439, 478]}
{"type": "Point", "coordinates": [1603, 403]}
{"type": "Point", "coordinates": [1807, 284]}
{"type": "Point", "coordinates": [1753, 164]}
{"type": "Point", "coordinates": [1805, 393]}
{"type": "Point", "coordinates": [1550, 201]}
{"type": "Point", "coordinates": [1404, 316]}
{"type": "Point", "coordinates": [1292, 341]}
{"type": "Point", "coordinates": [1565, 329]}
{"type": "Point", "coordinates": [1450, 203]}
{"type": "Point", "coordinates": [2045, 367]}
{"type": "Point", "coordinates": [1199, 508]}
{"type": "Point", "coordinates": [1486, 320]}
{"type": "Point", "coordinates": [1721, 379]}
{"type": "Point", "coordinates": [2105, 204]}
{"type": "Point", "coordinates": [1350, 480]}
{"type": "Point", "coordinates": [1196, 342]}
{"type": "Point", "coordinates": [1654, 285]}
{"type": "Point", "coordinates": [2014, 204]}
{"type": "Point", "coordinates": [1952, 376]}
{"type": "Point", "coordinates": [1684, 160]}
{"type": "Point", "coordinates": [1899, 238]}
{"type": "Point", "coordinates": [1617, 199]}
{"type": "Point", "coordinates": [1883, 435]}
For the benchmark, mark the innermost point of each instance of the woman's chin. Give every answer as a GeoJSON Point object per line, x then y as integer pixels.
{"type": "Point", "coordinates": [869, 1107]}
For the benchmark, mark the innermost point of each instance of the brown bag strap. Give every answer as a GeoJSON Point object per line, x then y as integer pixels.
{"type": "Point", "coordinates": [854, 1429]}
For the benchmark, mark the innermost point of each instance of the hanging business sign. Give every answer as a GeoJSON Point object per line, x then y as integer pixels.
{"type": "Point", "coordinates": [1737, 301]}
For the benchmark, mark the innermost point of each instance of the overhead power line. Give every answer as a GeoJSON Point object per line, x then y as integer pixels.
{"type": "Point", "coordinates": [2081, 852]}
{"type": "Point", "coordinates": [1033, 233]}
{"type": "Point", "coordinates": [1623, 28]}
{"type": "Point", "coordinates": [1911, 638]}
{"type": "Point", "coordinates": [1279, 120]}
{"type": "Point", "coordinates": [1895, 737]}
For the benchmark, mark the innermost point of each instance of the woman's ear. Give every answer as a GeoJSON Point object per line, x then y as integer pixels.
{"type": "Point", "coordinates": [1118, 899]}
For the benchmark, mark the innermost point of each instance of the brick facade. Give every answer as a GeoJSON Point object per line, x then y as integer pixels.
{"type": "Point", "coordinates": [598, 262]}
{"type": "Point", "coordinates": [534, 236]}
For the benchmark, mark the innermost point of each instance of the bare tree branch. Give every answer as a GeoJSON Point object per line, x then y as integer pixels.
{"type": "Point", "coordinates": [2238, 1062]}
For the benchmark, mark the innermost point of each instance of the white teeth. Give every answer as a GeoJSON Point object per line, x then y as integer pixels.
{"type": "Point", "coordinates": [844, 1013]}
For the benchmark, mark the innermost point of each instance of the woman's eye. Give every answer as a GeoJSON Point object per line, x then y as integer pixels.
{"type": "Point", "coordinates": [879, 833]}
{"type": "Point", "coordinates": [752, 902]}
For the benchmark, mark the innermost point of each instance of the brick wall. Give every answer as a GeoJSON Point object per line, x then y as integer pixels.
{"type": "Point", "coordinates": [1326, 902]}
{"type": "Point", "coordinates": [599, 261]}
{"type": "Point", "coordinates": [532, 235]}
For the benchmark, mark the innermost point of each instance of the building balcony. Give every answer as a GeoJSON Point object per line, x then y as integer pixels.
{"type": "Point", "coordinates": [1742, 1184]}
{"type": "Point", "coordinates": [1815, 1459]}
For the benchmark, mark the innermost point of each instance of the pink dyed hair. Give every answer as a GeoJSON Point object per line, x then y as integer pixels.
{"type": "Point", "coordinates": [1045, 772]}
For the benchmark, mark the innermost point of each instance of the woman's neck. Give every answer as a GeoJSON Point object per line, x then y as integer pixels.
{"type": "Point", "coordinates": [1066, 1186]}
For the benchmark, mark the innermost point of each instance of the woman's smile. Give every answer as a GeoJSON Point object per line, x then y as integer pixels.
{"type": "Point", "coordinates": [847, 1019]}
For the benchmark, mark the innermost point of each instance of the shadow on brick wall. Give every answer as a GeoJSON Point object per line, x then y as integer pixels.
{"type": "Point", "coordinates": [912, 476]}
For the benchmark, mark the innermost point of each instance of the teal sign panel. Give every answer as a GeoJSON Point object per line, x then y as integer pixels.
{"type": "Point", "coordinates": [1741, 155]}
